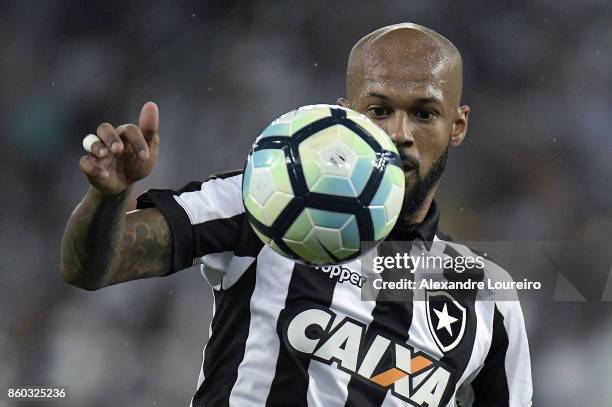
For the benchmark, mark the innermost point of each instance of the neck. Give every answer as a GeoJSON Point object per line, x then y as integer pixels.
{"type": "Point", "coordinates": [419, 215]}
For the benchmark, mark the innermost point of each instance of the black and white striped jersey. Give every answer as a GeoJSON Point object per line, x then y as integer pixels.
{"type": "Point", "coordinates": [285, 334]}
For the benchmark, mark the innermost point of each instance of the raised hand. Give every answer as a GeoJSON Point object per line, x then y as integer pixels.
{"type": "Point", "coordinates": [123, 155]}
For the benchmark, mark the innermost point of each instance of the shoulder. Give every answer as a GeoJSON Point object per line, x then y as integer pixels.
{"type": "Point", "coordinates": [218, 197]}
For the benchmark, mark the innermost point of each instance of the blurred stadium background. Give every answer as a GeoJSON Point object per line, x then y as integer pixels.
{"type": "Point", "coordinates": [536, 164]}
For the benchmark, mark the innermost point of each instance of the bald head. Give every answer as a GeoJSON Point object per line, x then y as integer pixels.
{"type": "Point", "coordinates": [406, 55]}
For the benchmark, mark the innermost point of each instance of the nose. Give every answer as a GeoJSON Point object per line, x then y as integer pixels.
{"type": "Point", "coordinates": [401, 129]}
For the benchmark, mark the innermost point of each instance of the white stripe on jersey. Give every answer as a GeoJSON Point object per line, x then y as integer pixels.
{"type": "Point", "coordinates": [518, 363]}
{"type": "Point", "coordinates": [216, 199]}
{"type": "Point", "coordinates": [328, 387]}
{"type": "Point", "coordinates": [484, 329]}
{"type": "Point", "coordinates": [201, 375]}
{"type": "Point", "coordinates": [257, 369]}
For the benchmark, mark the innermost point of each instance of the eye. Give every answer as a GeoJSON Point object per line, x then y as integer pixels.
{"type": "Point", "coordinates": [425, 115]}
{"type": "Point", "coordinates": [378, 112]}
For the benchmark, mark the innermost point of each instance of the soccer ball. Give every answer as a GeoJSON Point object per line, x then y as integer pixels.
{"type": "Point", "coordinates": [320, 180]}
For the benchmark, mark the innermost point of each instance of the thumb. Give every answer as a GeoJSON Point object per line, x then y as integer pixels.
{"type": "Point", "coordinates": [148, 121]}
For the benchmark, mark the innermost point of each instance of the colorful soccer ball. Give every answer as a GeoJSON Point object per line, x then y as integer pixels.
{"type": "Point", "coordinates": [320, 180]}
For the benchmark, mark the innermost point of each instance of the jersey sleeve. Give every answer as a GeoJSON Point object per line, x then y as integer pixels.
{"type": "Point", "coordinates": [505, 377]}
{"type": "Point", "coordinates": [206, 220]}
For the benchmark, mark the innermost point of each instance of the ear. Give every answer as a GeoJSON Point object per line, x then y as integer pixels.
{"type": "Point", "coordinates": [343, 102]}
{"type": "Point", "coordinates": [460, 126]}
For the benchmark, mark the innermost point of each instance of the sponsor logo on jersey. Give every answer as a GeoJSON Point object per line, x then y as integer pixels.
{"type": "Point", "coordinates": [446, 319]}
{"type": "Point", "coordinates": [343, 274]}
{"type": "Point", "coordinates": [412, 376]}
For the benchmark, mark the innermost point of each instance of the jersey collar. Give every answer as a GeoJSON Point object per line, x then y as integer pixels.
{"type": "Point", "coordinates": [425, 231]}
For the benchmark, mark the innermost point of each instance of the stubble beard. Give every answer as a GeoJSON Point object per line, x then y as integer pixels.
{"type": "Point", "coordinates": [415, 196]}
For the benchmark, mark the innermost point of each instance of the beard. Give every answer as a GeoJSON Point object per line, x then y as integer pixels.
{"type": "Point", "coordinates": [416, 195]}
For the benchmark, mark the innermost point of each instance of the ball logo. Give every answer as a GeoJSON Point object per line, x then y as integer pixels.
{"type": "Point", "coordinates": [338, 158]}
{"type": "Point", "coordinates": [446, 319]}
{"type": "Point", "coordinates": [411, 376]}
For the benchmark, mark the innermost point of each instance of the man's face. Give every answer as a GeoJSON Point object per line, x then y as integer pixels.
{"type": "Point", "coordinates": [407, 93]}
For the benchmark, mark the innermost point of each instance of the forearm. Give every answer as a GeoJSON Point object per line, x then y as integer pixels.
{"type": "Point", "coordinates": [92, 241]}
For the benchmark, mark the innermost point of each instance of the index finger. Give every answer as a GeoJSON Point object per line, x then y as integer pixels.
{"type": "Point", "coordinates": [135, 138]}
{"type": "Point", "coordinates": [148, 121]}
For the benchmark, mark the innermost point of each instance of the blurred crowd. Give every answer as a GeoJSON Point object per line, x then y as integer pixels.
{"type": "Point", "coordinates": [535, 166]}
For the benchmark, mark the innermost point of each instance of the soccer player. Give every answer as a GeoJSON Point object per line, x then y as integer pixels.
{"type": "Point", "coordinates": [285, 334]}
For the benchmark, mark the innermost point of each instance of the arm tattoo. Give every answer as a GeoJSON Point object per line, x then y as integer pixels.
{"type": "Point", "coordinates": [103, 246]}
{"type": "Point", "coordinates": [146, 246]}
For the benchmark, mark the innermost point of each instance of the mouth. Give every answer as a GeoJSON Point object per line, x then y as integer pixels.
{"type": "Point", "coordinates": [410, 164]}
{"type": "Point", "coordinates": [409, 167]}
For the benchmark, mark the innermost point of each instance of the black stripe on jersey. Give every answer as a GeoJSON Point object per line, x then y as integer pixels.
{"type": "Point", "coordinates": [217, 235]}
{"type": "Point", "coordinates": [227, 234]}
{"type": "Point", "coordinates": [459, 357]}
{"type": "Point", "coordinates": [308, 287]}
{"type": "Point", "coordinates": [247, 243]}
{"type": "Point", "coordinates": [178, 221]}
{"type": "Point", "coordinates": [226, 346]}
{"type": "Point", "coordinates": [392, 318]}
{"type": "Point", "coordinates": [491, 384]}
{"type": "Point", "coordinates": [224, 175]}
